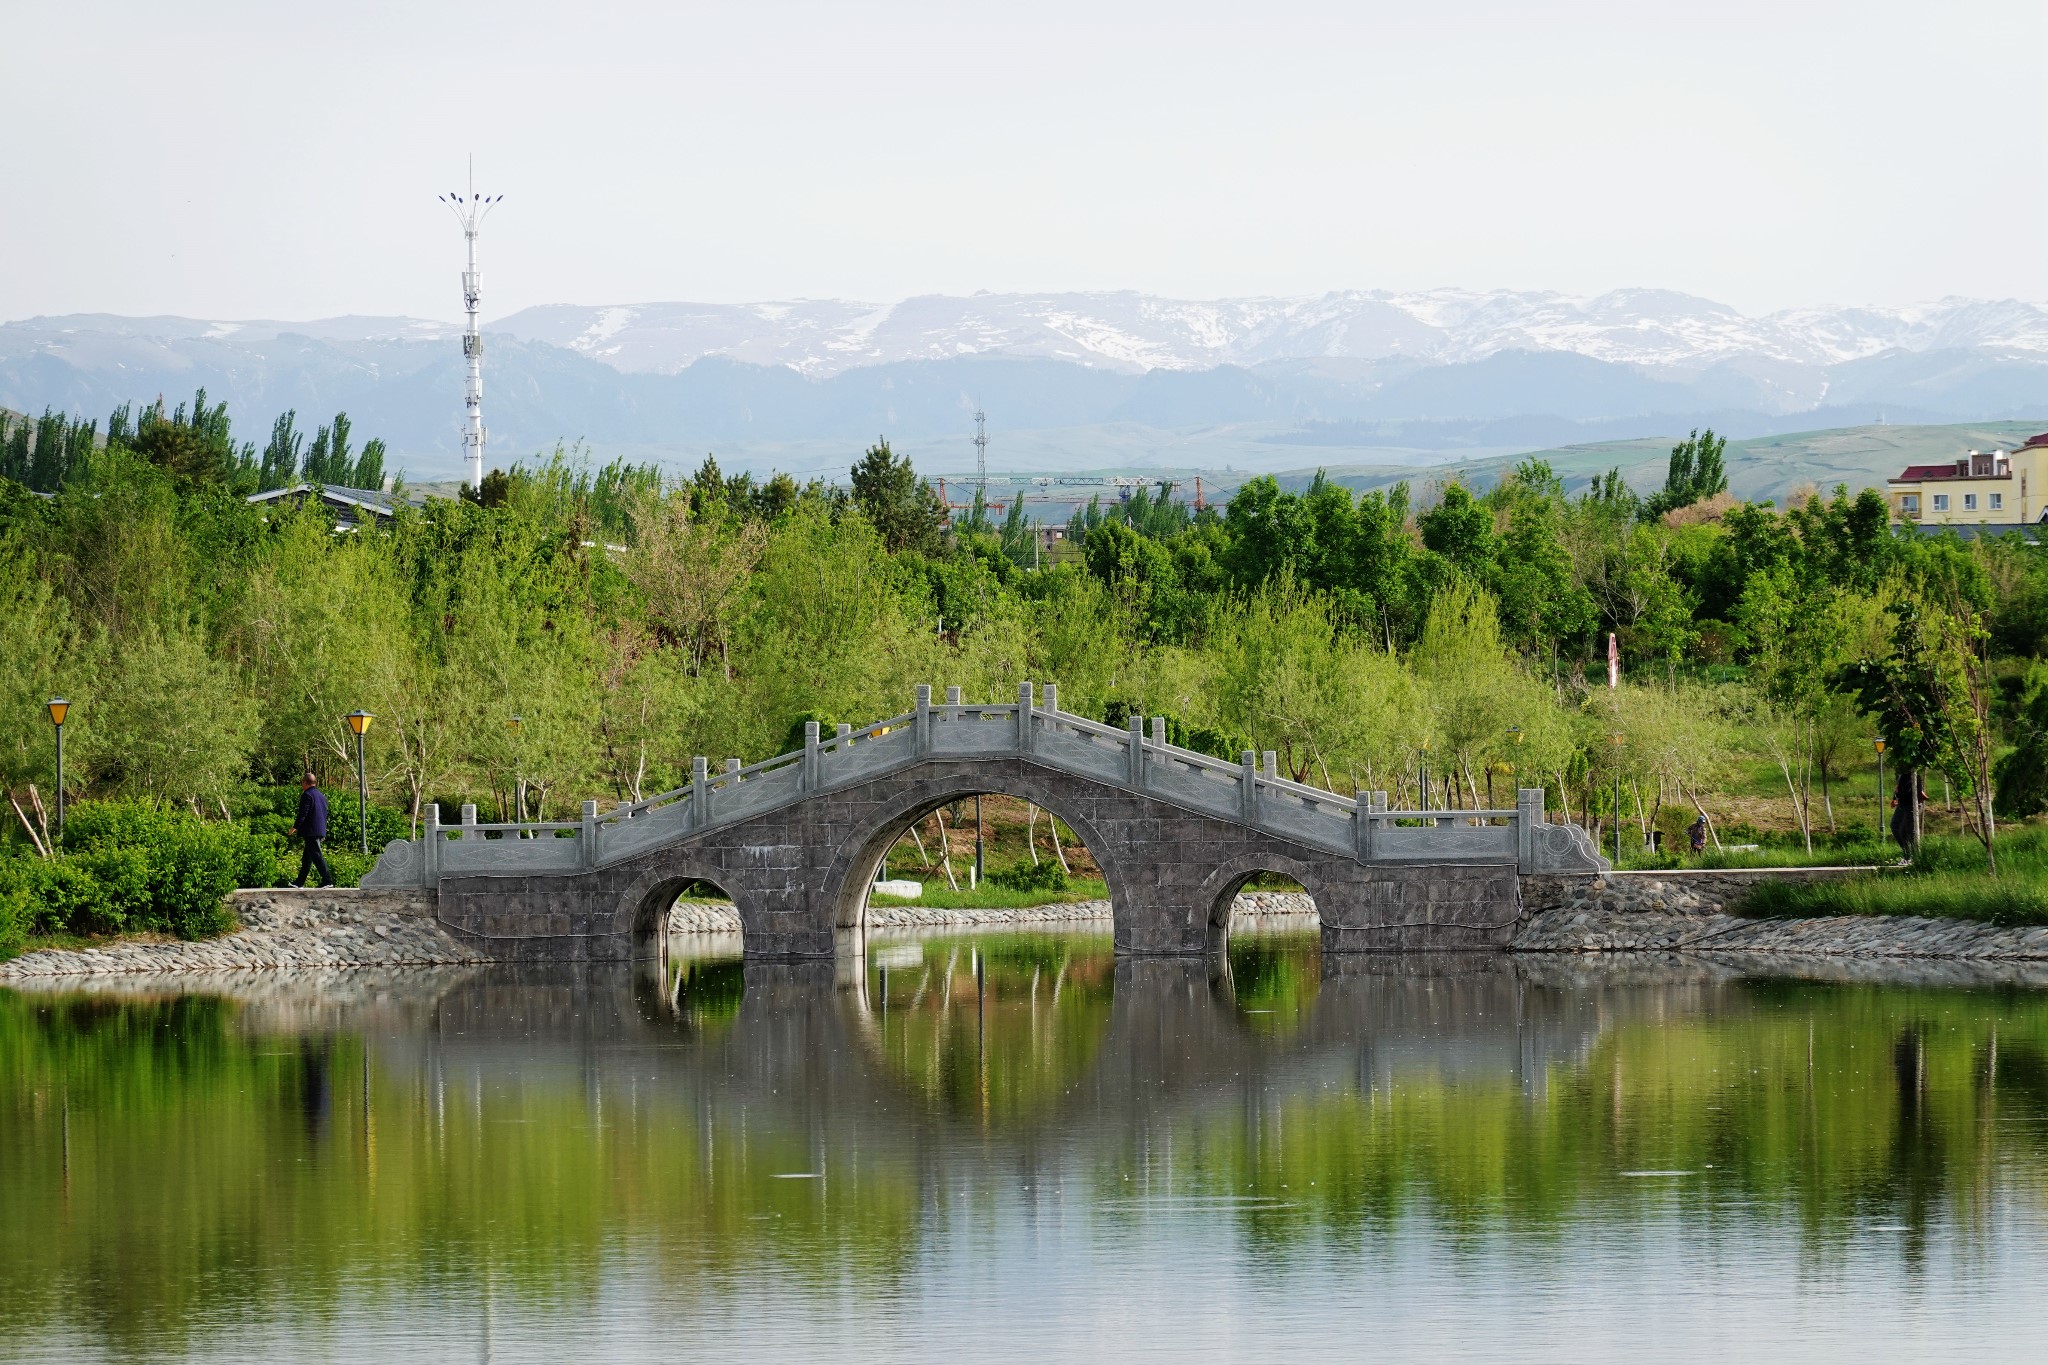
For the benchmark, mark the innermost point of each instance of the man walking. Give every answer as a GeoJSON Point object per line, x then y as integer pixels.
{"type": "Point", "coordinates": [311, 825]}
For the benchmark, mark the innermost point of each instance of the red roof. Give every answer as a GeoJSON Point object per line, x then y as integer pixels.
{"type": "Point", "coordinates": [2032, 441]}
{"type": "Point", "coordinates": [1916, 472]}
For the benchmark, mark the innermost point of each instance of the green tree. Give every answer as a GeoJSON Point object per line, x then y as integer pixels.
{"type": "Point", "coordinates": [901, 507]}
{"type": "Point", "coordinates": [1696, 472]}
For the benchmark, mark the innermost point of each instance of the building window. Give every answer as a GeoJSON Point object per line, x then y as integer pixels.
{"type": "Point", "coordinates": [1910, 502]}
{"type": "Point", "coordinates": [1969, 502]}
{"type": "Point", "coordinates": [1941, 502]}
{"type": "Point", "coordinates": [1998, 502]}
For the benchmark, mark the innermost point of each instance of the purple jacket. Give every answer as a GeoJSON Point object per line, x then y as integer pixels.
{"type": "Point", "coordinates": [312, 817]}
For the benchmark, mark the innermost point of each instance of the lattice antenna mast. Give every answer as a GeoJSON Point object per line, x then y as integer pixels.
{"type": "Point", "coordinates": [470, 210]}
{"type": "Point", "coordinates": [981, 452]}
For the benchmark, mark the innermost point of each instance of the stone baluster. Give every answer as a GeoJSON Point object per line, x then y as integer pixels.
{"type": "Point", "coordinates": [1024, 718]}
{"type": "Point", "coordinates": [430, 847]}
{"type": "Point", "coordinates": [700, 790]}
{"type": "Point", "coordinates": [813, 760]}
{"type": "Point", "coordinates": [468, 821]}
{"type": "Point", "coordinates": [953, 698]}
{"type": "Point", "coordinates": [1135, 751]}
{"type": "Point", "coordinates": [1159, 732]}
{"type": "Point", "coordinates": [1528, 815]}
{"type": "Point", "coordinates": [843, 730]}
{"type": "Point", "coordinates": [1248, 788]}
{"type": "Point", "coordinates": [1272, 765]}
{"type": "Point", "coordinates": [732, 771]}
{"type": "Point", "coordinates": [590, 834]}
{"type": "Point", "coordinates": [921, 720]}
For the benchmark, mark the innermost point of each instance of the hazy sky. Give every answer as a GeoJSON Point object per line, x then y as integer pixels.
{"type": "Point", "coordinates": [281, 160]}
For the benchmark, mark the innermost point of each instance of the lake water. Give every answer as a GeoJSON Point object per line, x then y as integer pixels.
{"type": "Point", "coordinates": [1016, 1148]}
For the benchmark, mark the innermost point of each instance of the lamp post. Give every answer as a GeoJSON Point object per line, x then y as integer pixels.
{"type": "Point", "coordinates": [58, 709]}
{"type": "Point", "coordinates": [1619, 739]}
{"type": "Point", "coordinates": [518, 768]}
{"type": "Point", "coordinates": [1880, 786]}
{"type": "Point", "coordinates": [358, 723]}
{"type": "Point", "coordinates": [1422, 776]}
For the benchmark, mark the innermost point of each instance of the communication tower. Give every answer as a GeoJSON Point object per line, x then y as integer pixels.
{"type": "Point", "coordinates": [981, 452]}
{"type": "Point", "coordinates": [470, 211]}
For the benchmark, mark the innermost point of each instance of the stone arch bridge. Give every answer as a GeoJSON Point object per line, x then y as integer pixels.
{"type": "Point", "coordinates": [797, 840]}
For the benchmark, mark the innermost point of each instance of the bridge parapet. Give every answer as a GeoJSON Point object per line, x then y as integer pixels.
{"type": "Point", "coordinates": [1032, 729]}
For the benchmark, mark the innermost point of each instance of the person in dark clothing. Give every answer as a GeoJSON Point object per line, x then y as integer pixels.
{"type": "Point", "coordinates": [311, 825]}
{"type": "Point", "coordinates": [1696, 835]}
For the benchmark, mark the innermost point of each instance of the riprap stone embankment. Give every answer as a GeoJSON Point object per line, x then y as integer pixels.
{"type": "Point", "coordinates": [1686, 911]}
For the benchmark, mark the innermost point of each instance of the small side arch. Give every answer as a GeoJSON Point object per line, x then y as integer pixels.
{"type": "Point", "coordinates": [644, 905]}
{"type": "Point", "coordinates": [1219, 891]}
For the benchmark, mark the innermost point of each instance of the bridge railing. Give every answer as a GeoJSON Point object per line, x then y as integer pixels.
{"type": "Point", "coordinates": [1249, 792]}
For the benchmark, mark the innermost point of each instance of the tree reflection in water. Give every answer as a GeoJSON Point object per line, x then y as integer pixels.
{"type": "Point", "coordinates": [272, 1146]}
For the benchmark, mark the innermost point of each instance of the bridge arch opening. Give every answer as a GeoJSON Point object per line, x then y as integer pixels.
{"type": "Point", "coordinates": [1034, 842]}
{"type": "Point", "coordinates": [686, 905]}
{"type": "Point", "coordinates": [1259, 893]}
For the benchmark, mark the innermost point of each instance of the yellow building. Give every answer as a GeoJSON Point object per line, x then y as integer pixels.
{"type": "Point", "coordinates": [1980, 488]}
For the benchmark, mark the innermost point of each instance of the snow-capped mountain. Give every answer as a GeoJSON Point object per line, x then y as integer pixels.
{"type": "Point", "coordinates": [1103, 378]}
{"type": "Point", "coordinates": [1648, 328]}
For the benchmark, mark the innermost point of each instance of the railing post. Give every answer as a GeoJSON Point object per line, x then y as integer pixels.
{"type": "Point", "coordinates": [1052, 699]}
{"type": "Point", "coordinates": [921, 720]}
{"type": "Point", "coordinates": [813, 759]}
{"type": "Point", "coordinates": [1248, 788]}
{"type": "Point", "coordinates": [430, 847]}
{"type": "Point", "coordinates": [1159, 732]}
{"type": "Point", "coordinates": [1024, 718]}
{"type": "Point", "coordinates": [590, 834]}
{"type": "Point", "coordinates": [1528, 815]}
{"type": "Point", "coordinates": [952, 696]}
{"type": "Point", "coordinates": [843, 730]}
{"type": "Point", "coordinates": [468, 821]}
{"type": "Point", "coordinates": [700, 790]}
{"type": "Point", "coordinates": [1136, 751]}
{"type": "Point", "coordinates": [1272, 765]}
{"type": "Point", "coordinates": [732, 765]}
{"type": "Point", "coordinates": [1370, 806]}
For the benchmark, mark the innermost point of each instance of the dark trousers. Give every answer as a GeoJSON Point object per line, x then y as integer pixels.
{"type": "Point", "coordinates": [313, 858]}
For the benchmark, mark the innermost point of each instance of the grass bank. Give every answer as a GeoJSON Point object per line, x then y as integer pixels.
{"type": "Point", "coordinates": [1946, 881]}
{"type": "Point", "coordinates": [990, 896]}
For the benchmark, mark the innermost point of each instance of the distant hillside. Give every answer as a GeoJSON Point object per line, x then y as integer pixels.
{"type": "Point", "coordinates": [1762, 467]}
{"type": "Point", "coordinates": [1077, 382]}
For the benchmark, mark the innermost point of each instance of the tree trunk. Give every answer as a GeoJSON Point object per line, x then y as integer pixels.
{"type": "Point", "coordinates": [1906, 814]}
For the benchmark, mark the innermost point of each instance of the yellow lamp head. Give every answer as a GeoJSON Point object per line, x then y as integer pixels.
{"type": "Point", "coordinates": [58, 708]}
{"type": "Point", "coordinates": [359, 721]}
{"type": "Point", "coordinates": [1880, 746]}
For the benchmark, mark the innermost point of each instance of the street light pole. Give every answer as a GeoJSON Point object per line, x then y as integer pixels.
{"type": "Point", "coordinates": [1880, 787]}
{"type": "Point", "coordinates": [58, 708]}
{"type": "Point", "coordinates": [1618, 740]}
{"type": "Point", "coordinates": [359, 721]}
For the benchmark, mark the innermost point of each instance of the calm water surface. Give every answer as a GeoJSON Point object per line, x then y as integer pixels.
{"type": "Point", "coordinates": [1012, 1147]}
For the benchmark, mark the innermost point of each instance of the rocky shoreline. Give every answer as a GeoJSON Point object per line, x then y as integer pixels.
{"type": "Point", "coordinates": [318, 928]}
{"type": "Point", "coordinates": [1626, 912]}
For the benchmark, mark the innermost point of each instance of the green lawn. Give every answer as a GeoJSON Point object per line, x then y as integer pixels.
{"type": "Point", "coordinates": [1947, 881]}
{"type": "Point", "coordinates": [988, 896]}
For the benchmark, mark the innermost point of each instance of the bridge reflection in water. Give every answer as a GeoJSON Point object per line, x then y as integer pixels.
{"type": "Point", "coordinates": [1008, 1121]}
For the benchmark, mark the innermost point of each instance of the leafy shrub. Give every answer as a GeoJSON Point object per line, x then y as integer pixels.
{"type": "Point", "coordinates": [16, 911]}
{"type": "Point", "coordinates": [58, 895]}
{"type": "Point", "coordinates": [132, 866]}
{"type": "Point", "coordinates": [122, 894]}
{"type": "Point", "coordinates": [345, 829]}
{"type": "Point", "coordinates": [1044, 876]}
